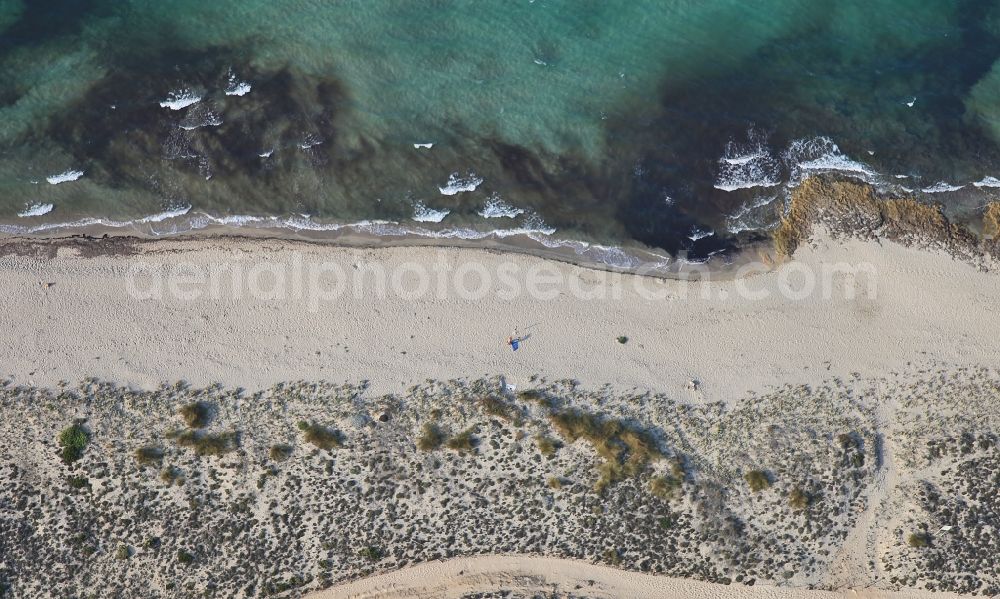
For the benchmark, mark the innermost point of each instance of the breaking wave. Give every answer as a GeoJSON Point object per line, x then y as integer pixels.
{"type": "Point", "coordinates": [35, 210]}
{"type": "Point", "coordinates": [748, 165]}
{"type": "Point", "coordinates": [459, 184]}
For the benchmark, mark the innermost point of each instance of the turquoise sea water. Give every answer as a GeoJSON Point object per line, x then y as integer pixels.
{"type": "Point", "coordinates": [677, 124]}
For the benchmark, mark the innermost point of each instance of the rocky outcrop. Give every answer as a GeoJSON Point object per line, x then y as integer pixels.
{"type": "Point", "coordinates": [852, 209]}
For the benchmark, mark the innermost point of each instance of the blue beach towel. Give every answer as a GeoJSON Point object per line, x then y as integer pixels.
{"type": "Point", "coordinates": [515, 343]}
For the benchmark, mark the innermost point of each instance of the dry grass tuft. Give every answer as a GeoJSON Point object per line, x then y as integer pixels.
{"type": "Point", "coordinates": [209, 444]}
{"type": "Point", "coordinates": [197, 414]}
{"type": "Point", "coordinates": [321, 436]}
{"type": "Point", "coordinates": [464, 442]}
{"type": "Point", "coordinates": [626, 451]}
{"type": "Point", "coordinates": [431, 437]}
{"type": "Point", "coordinates": [757, 480]}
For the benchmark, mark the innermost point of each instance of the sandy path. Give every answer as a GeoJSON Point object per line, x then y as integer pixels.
{"type": "Point", "coordinates": [88, 322]}
{"type": "Point", "coordinates": [462, 576]}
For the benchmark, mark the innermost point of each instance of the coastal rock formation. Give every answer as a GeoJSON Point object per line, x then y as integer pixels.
{"type": "Point", "coordinates": [853, 209]}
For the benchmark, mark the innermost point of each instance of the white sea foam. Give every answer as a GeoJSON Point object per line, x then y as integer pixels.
{"type": "Point", "coordinates": [64, 177]}
{"type": "Point", "coordinates": [610, 255]}
{"type": "Point", "coordinates": [821, 155]}
{"type": "Point", "coordinates": [902, 176]}
{"type": "Point", "coordinates": [745, 159]}
{"type": "Point", "coordinates": [235, 220]}
{"type": "Point", "coordinates": [987, 182]}
{"type": "Point", "coordinates": [310, 141]}
{"type": "Point", "coordinates": [496, 208]}
{"type": "Point", "coordinates": [699, 233]}
{"type": "Point", "coordinates": [753, 216]}
{"type": "Point", "coordinates": [35, 210]}
{"type": "Point", "coordinates": [180, 99]}
{"type": "Point", "coordinates": [200, 116]}
{"type": "Point", "coordinates": [266, 154]}
{"type": "Point", "coordinates": [459, 184]}
{"type": "Point", "coordinates": [236, 87]}
{"type": "Point", "coordinates": [426, 146]}
{"type": "Point", "coordinates": [941, 187]}
{"type": "Point", "coordinates": [162, 216]}
{"type": "Point", "coordinates": [749, 164]}
{"type": "Point", "coordinates": [423, 214]}
{"type": "Point", "coordinates": [532, 228]}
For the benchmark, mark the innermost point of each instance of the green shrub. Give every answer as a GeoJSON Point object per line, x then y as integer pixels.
{"type": "Point", "coordinates": [463, 442]}
{"type": "Point", "coordinates": [197, 414]}
{"type": "Point", "coordinates": [280, 452]}
{"type": "Point", "coordinates": [431, 437]}
{"type": "Point", "coordinates": [555, 483]}
{"type": "Point", "coordinates": [73, 440]}
{"type": "Point", "coordinates": [919, 540]}
{"type": "Point", "coordinates": [149, 455]}
{"type": "Point", "coordinates": [757, 479]}
{"type": "Point", "coordinates": [371, 553]}
{"type": "Point", "coordinates": [613, 557]}
{"type": "Point", "coordinates": [622, 339]}
{"type": "Point", "coordinates": [78, 482]}
{"type": "Point", "coordinates": [184, 557]}
{"type": "Point", "coordinates": [322, 437]}
{"type": "Point", "coordinates": [124, 552]}
{"type": "Point", "coordinates": [209, 444]}
{"type": "Point", "coordinates": [799, 499]}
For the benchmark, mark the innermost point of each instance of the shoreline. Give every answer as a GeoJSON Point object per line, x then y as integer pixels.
{"type": "Point", "coordinates": [847, 208]}
{"type": "Point", "coordinates": [630, 257]}
{"type": "Point", "coordinates": [518, 245]}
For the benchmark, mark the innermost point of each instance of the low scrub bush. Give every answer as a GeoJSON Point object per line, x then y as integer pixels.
{"type": "Point", "coordinates": [72, 442]}
{"type": "Point", "coordinates": [431, 437]}
{"type": "Point", "coordinates": [463, 442]}
{"type": "Point", "coordinates": [321, 436]}
{"type": "Point", "coordinates": [149, 455]}
{"type": "Point", "coordinates": [209, 444]}
{"type": "Point", "coordinates": [757, 480]}
{"type": "Point", "coordinates": [280, 452]}
{"type": "Point", "coordinates": [197, 414]}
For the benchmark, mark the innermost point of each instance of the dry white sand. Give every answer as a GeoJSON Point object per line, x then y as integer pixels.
{"type": "Point", "coordinates": [463, 576]}
{"type": "Point", "coordinates": [925, 307]}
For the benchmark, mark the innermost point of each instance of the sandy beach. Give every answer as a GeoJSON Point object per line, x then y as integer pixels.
{"type": "Point", "coordinates": [74, 315]}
